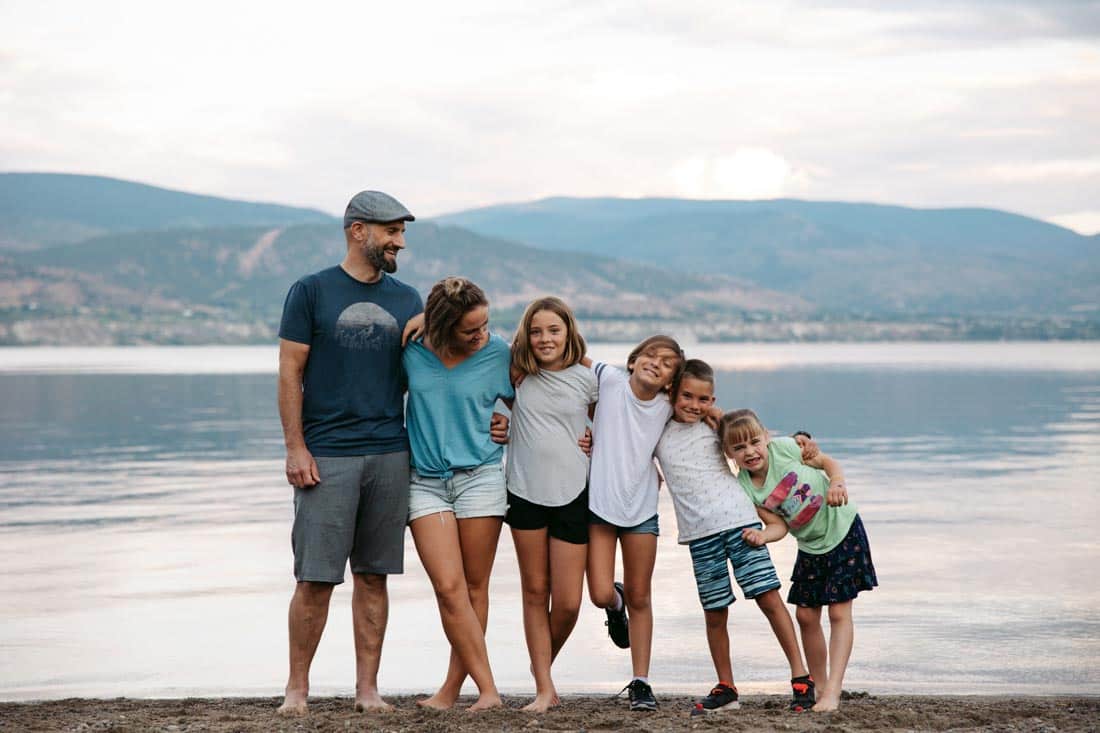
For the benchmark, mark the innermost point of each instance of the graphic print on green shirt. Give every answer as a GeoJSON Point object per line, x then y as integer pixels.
{"type": "Point", "coordinates": [796, 492]}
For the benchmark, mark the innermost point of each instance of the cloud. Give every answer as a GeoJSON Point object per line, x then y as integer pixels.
{"type": "Point", "coordinates": [1082, 222]}
{"type": "Point", "coordinates": [458, 105]}
{"type": "Point", "coordinates": [1045, 170]}
{"type": "Point", "coordinates": [747, 173]}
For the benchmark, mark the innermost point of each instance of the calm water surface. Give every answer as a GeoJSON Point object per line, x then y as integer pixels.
{"type": "Point", "coordinates": [144, 524]}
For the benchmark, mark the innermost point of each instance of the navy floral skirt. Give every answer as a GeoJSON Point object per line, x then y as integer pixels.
{"type": "Point", "coordinates": [836, 576]}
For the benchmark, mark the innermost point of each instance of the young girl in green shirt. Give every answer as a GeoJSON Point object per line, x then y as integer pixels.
{"type": "Point", "coordinates": [810, 500]}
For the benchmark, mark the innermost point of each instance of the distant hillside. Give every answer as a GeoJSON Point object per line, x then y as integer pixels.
{"type": "Point", "coordinates": [42, 209]}
{"type": "Point", "coordinates": [842, 257]}
{"type": "Point", "coordinates": [86, 260]}
{"type": "Point", "coordinates": [243, 274]}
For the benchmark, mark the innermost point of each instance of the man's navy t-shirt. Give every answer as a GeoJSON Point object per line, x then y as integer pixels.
{"type": "Point", "coordinates": [354, 384]}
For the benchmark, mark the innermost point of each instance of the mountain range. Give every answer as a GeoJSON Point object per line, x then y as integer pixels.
{"type": "Point", "coordinates": [842, 257]}
{"type": "Point", "coordinates": [86, 259]}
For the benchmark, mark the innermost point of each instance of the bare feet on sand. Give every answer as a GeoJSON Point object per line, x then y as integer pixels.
{"type": "Point", "coordinates": [371, 702]}
{"type": "Point", "coordinates": [438, 701]}
{"type": "Point", "coordinates": [826, 703]}
{"type": "Point", "coordinates": [294, 703]}
{"type": "Point", "coordinates": [543, 702]}
{"type": "Point", "coordinates": [486, 702]}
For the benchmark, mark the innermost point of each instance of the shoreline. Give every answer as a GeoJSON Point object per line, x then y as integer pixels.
{"type": "Point", "coordinates": [590, 712]}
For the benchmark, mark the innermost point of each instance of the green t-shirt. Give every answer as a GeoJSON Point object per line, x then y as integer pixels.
{"type": "Point", "coordinates": [796, 492]}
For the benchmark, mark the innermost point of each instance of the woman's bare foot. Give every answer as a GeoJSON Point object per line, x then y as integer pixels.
{"type": "Point", "coordinates": [487, 701]}
{"type": "Point", "coordinates": [439, 701]}
{"type": "Point", "coordinates": [827, 702]}
{"type": "Point", "coordinates": [371, 702]}
{"type": "Point", "coordinates": [543, 702]}
{"type": "Point", "coordinates": [294, 703]}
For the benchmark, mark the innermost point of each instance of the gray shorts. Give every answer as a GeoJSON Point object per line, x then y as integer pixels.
{"type": "Point", "coordinates": [356, 513]}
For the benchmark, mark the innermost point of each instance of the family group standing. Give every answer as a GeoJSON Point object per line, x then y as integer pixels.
{"type": "Point", "coordinates": [364, 467]}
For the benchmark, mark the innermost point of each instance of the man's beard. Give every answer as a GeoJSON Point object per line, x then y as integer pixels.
{"type": "Point", "coordinates": [377, 257]}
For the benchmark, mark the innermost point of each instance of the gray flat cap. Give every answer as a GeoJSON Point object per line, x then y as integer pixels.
{"type": "Point", "coordinates": [375, 207]}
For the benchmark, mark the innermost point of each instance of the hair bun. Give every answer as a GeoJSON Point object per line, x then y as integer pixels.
{"type": "Point", "coordinates": [454, 286]}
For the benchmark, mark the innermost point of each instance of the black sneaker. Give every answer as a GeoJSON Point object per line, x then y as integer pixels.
{"type": "Point", "coordinates": [802, 691]}
{"type": "Point", "coordinates": [721, 698]}
{"type": "Point", "coordinates": [618, 625]}
{"type": "Point", "coordinates": [641, 696]}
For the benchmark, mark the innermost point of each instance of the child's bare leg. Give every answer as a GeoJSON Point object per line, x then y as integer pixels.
{"type": "Point", "coordinates": [813, 642]}
{"type": "Point", "coordinates": [534, 572]}
{"type": "Point", "coordinates": [601, 566]}
{"type": "Point", "coordinates": [567, 564]}
{"type": "Point", "coordinates": [771, 604]}
{"type": "Point", "coordinates": [718, 639]}
{"type": "Point", "coordinates": [841, 637]}
{"type": "Point", "coordinates": [639, 557]}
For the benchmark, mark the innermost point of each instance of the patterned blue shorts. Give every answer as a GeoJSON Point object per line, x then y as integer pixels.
{"type": "Point", "coordinates": [836, 576]}
{"type": "Point", "coordinates": [752, 568]}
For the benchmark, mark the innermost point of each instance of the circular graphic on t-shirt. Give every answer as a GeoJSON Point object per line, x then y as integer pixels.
{"type": "Point", "coordinates": [366, 327]}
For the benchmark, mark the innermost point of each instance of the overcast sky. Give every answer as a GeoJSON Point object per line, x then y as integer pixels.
{"type": "Point", "coordinates": [452, 105]}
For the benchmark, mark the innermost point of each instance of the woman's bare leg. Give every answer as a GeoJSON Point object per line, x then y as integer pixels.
{"type": "Point", "coordinates": [439, 542]}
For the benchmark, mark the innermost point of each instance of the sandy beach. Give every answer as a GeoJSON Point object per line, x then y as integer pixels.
{"type": "Point", "coordinates": [577, 713]}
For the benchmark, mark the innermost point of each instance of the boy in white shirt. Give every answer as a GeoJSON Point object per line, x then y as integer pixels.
{"type": "Point", "coordinates": [712, 512]}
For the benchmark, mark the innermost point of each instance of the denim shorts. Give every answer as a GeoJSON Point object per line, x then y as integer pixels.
{"type": "Point", "coordinates": [468, 493]}
{"type": "Point", "coordinates": [648, 526]}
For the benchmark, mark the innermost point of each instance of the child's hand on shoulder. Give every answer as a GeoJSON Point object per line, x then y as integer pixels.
{"type": "Point", "coordinates": [754, 537]}
{"type": "Point", "coordinates": [808, 445]}
{"type": "Point", "coordinates": [837, 494]}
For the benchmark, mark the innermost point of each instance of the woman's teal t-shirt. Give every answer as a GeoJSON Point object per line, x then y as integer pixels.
{"type": "Point", "coordinates": [796, 492]}
{"type": "Point", "coordinates": [449, 410]}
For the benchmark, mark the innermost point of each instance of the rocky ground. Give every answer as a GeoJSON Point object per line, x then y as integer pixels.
{"type": "Point", "coordinates": [577, 713]}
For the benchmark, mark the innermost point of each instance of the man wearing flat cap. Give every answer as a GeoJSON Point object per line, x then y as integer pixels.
{"type": "Point", "coordinates": [341, 390]}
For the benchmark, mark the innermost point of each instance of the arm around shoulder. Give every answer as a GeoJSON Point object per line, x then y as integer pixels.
{"type": "Point", "coordinates": [837, 495]}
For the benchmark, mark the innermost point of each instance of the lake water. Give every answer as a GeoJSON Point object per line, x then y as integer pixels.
{"type": "Point", "coordinates": [144, 526]}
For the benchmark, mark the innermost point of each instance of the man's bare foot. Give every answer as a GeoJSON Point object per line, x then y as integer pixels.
{"type": "Point", "coordinates": [439, 701]}
{"type": "Point", "coordinates": [294, 703]}
{"type": "Point", "coordinates": [543, 702]}
{"type": "Point", "coordinates": [486, 702]}
{"type": "Point", "coordinates": [826, 703]}
{"type": "Point", "coordinates": [371, 703]}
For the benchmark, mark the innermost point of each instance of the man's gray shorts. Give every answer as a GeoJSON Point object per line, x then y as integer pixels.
{"type": "Point", "coordinates": [356, 513]}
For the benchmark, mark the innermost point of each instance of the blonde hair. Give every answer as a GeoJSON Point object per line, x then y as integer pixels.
{"type": "Point", "coordinates": [739, 426]}
{"type": "Point", "coordinates": [450, 299]}
{"type": "Point", "coordinates": [523, 358]}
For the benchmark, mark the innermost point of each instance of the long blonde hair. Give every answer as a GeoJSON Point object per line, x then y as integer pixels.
{"type": "Point", "coordinates": [523, 358]}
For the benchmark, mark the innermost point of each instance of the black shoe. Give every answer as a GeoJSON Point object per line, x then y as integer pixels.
{"type": "Point", "coordinates": [641, 696]}
{"type": "Point", "coordinates": [721, 698]}
{"type": "Point", "coordinates": [618, 625]}
{"type": "Point", "coordinates": [802, 691]}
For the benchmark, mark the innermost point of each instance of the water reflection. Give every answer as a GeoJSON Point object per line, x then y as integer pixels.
{"type": "Point", "coordinates": [144, 522]}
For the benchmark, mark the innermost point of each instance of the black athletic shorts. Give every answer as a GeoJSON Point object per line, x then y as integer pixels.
{"type": "Point", "coordinates": [567, 523]}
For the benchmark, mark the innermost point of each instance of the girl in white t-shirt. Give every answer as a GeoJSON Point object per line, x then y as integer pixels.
{"type": "Point", "coordinates": [547, 475]}
{"type": "Point", "coordinates": [629, 418]}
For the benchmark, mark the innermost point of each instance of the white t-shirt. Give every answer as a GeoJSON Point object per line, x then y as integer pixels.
{"type": "Point", "coordinates": [707, 496]}
{"type": "Point", "coordinates": [545, 464]}
{"type": "Point", "coordinates": [622, 485]}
